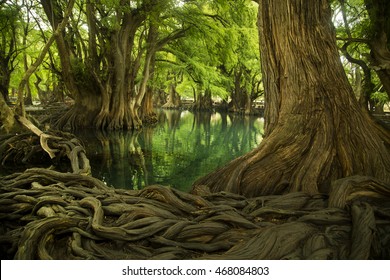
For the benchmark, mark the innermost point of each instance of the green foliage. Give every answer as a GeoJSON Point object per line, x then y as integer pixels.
{"type": "Point", "coordinates": [9, 15]}
{"type": "Point", "coordinates": [9, 27]}
{"type": "Point", "coordinates": [222, 37]}
{"type": "Point", "coordinates": [30, 34]}
{"type": "Point", "coordinates": [355, 29]}
{"type": "Point", "coordinates": [380, 98]}
{"type": "Point", "coordinates": [185, 88]}
{"type": "Point", "coordinates": [220, 40]}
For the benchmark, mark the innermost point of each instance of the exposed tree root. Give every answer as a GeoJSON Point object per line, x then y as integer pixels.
{"type": "Point", "coordinates": [347, 189]}
{"type": "Point", "coordinates": [46, 214]}
{"type": "Point", "coordinates": [43, 147]}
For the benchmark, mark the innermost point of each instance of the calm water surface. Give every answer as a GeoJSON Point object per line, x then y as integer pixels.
{"type": "Point", "coordinates": [181, 148]}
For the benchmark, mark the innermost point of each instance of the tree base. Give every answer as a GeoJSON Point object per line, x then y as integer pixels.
{"type": "Point", "coordinates": [170, 105]}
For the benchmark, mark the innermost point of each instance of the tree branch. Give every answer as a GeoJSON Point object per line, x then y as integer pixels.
{"type": "Point", "coordinates": [354, 40]}
{"type": "Point", "coordinates": [40, 58]}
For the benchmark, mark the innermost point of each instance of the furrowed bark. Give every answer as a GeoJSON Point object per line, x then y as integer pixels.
{"type": "Point", "coordinates": [315, 130]}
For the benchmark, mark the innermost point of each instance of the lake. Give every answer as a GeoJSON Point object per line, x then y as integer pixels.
{"type": "Point", "coordinates": [182, 147]}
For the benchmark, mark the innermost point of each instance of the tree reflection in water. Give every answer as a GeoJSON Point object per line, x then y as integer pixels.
{"type": "Point", "coordinates": [181, 148]}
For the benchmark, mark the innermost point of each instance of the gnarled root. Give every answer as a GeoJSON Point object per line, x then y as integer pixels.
{"type": "Point", "coordinates": [24, 147]}
{"type": "Point", "coordinates": [46, 214]}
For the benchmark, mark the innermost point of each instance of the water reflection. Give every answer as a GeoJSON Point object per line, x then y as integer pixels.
{"type": "Point", "coordinates": [181, 148]}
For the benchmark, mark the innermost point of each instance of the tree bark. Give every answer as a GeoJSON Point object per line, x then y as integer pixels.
{"type": "Point", "coordinates": [8, 54]}
{"type": "Point", "coordinates": [6, 116]}
{"type": "Point", "coordinates": [5, 77]}
{"type": "Point", "coordinates": [104, 76]}
{"type": "Point", "coordinates": [315, 131]}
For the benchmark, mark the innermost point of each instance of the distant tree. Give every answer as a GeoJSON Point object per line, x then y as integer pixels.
{"type": "Point", "coordinates": [106, 67]}
{"type": "Point", "coordinates": [223, 63]}
{"type": "Point", "coordinates": [9, 17]}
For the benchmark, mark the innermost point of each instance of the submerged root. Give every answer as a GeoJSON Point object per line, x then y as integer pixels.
{"type": "Point", "coordinates": [46, 214]}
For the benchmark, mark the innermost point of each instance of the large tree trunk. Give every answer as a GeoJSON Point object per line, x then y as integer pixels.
{"type": "Point", "coordinates": [315, 130]}
{"type": "Point", "coordinates": [104, 79]}
{"type": "Point", "coordinates": [86, 105]}
{"type": "Point", "coordinates": [103, 99]}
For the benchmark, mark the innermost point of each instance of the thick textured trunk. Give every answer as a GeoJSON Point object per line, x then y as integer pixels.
{"type": "Point", "coordinates": [147, 107]}
{"type": "Point", "coordinates": [82, 114]}
{"type": "Point", "coordinates": [119, 106]}
{"type": "Point", "coordinates": [149, 62]}
{"type": "Point", "coordinates": [144, 97]}
{"type": "Point", "coordinates": [315, 130]}
{"type": "Point", "coordinates": [119, 99]}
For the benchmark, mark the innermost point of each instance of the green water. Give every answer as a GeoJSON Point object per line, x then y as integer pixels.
{"type": "Point", "coordinates": [181, 148]}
